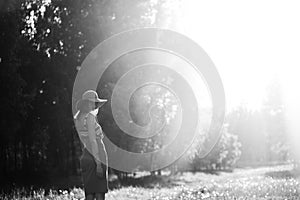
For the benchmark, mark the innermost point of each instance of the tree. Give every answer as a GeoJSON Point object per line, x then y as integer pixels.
{"type": "Point", "coordinates": [43, 44]}
{"type": "Point", "coordinates": [223, 156]}
{"type": "Point", "coordinates": [275, 124]}
{"type": "Point", "coordinates": [263, 132]}
{"type": "Point", "coordinates": [249, 126]}
{"type": "Point", "coordinates": [16, 100]}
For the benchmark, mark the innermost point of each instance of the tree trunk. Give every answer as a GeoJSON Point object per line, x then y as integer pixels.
{"type": "Point", "coordinates": [3, 160]}
{"type": "Point", "coordinates": [73, 153]}
{"type": "Point", "coordinates": [15, 156]}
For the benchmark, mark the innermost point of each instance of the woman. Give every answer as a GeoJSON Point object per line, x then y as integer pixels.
{"type": "Point", "coordinates": [94, 172]}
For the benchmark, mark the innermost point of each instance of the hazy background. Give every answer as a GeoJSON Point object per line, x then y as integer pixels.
{"type": "Point", "coordinates": [254, 45]}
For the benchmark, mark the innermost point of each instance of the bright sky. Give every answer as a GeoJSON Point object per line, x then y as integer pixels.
{"type": "Point", "coordinates": [249, 42]}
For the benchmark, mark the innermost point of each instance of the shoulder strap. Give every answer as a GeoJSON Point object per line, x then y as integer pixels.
{"type": "Point", "coordinates": [85, 121]}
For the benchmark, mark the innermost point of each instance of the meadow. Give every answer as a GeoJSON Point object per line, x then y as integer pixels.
{"type": "Point", "coordinates": [276, 182]}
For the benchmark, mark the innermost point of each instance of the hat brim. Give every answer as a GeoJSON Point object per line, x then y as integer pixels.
{"type": "Point", "coordinates": [99, 100]}
{"type": "Point", "coordinates": [99, 104]}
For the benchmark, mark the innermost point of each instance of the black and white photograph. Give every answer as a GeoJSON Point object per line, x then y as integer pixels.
{"type": "Point", "coordinates": [150, 100]}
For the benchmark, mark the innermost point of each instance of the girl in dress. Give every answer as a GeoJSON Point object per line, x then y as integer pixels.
{"type": "Point", "coordinates": [94, 170]}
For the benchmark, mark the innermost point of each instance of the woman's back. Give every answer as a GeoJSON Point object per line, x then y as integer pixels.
{"type": "Point", "coordinates": [82, 129]}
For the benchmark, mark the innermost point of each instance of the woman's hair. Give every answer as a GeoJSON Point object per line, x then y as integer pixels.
{"type": "Point", "coordinates": [83, 108]}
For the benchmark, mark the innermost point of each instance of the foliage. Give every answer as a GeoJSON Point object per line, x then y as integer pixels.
{"type": "Point", "coordinates": [224, 155]}
{"type": "Point", "coordinates": [263, 133]}
{"type": "Point", "coordinates": [43, 44]}
{"type": "Point", "coordinates": [274, 115]}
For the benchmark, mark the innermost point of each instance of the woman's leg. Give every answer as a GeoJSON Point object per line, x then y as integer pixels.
{"type": "Point", "coordinates": [90, 197]}
{"type": "Point", "coordinates": [100, 196]}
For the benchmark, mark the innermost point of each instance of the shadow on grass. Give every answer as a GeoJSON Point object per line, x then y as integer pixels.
{"type": "Point", "coordinates": [167, 181]}
{"type": "Point", "coordinates": [213, 171]}
{"type": "Point", "coordinates": [283, 174]}
{"type": "Point", "coordinates": [65, 183]}
{"type": "Point", "coordinates": [144, 181]}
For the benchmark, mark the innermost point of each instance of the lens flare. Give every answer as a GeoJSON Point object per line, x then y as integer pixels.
{"type": "Point", "coordinates": [166, 69]}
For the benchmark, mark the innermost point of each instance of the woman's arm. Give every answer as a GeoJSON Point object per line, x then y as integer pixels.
{"type": "Point", "coordinates": [92, 137]}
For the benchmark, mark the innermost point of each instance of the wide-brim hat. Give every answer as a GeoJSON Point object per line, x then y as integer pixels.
{"type": "Point", "coordinates": [89, 96]}
{"type": "Point", "coordinates": [92, 95]}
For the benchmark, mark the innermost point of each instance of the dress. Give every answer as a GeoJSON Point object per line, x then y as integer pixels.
{"type": "Point", "coordinates": [92, 182]}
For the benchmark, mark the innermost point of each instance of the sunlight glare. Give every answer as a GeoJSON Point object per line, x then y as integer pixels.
{"type": "Point", "coordinates": [249, 42]}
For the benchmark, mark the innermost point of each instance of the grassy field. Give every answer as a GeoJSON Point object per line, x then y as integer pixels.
{"type": "Point", "coordinates": [278, 182]}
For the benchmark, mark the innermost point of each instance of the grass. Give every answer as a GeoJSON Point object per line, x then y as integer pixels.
{"type": "Point", "coordinates": [277, 182]}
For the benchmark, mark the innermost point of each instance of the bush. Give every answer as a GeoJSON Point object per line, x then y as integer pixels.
{"type": "Point", "coordinates": [223, 156]}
